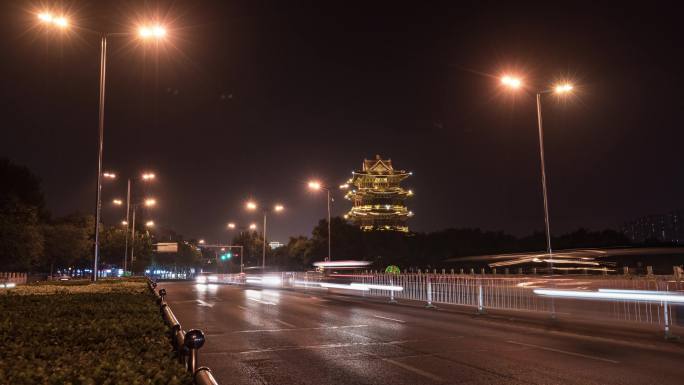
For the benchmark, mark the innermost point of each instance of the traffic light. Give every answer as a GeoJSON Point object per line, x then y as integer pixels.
{"type": "Point", "coordinates": [226, 256]}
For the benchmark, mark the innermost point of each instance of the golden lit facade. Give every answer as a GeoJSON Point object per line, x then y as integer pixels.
{"type": "Point", "coordinates": [379, 201]}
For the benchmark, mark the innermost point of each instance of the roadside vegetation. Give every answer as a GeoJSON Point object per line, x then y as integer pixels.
{"type": "Point", "coordinates": [110, 332]}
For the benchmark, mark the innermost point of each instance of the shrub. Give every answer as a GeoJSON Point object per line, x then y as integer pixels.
{"type": "Point", "coordinates": [85, 334]}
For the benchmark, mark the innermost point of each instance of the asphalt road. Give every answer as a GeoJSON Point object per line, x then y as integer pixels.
{"type": "Point", "coordinates": [267, 336]}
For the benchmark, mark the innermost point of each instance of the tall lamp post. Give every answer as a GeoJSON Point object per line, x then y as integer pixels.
{"type": "Point", "coordinates": [145, 177]}
{"type": "Point", "coordinates": [317, 186]}
{"type": "Point", "coordinates": [515, 83]}
{"type": "Point", "coordinates": [61, 22]}
{"type": "Point", "coordinates": [252, 206]}
{"type": "Point", "coordinates": [149, 202]}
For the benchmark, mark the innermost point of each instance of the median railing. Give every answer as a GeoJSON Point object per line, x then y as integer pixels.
{"type": "Point", "coordinates": [185, 344]}
{"type": "Point", "coordinates": [558, 296]}
{"type": "Point", "coordinates": [11, 279]}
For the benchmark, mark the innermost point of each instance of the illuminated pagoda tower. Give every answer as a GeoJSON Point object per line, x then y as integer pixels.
{"type": "Point", "coordinates": [377, 196]}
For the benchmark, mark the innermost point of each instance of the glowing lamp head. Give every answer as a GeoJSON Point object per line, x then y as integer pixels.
{"type": "Point", "coordinates": [124, 223]}
{"type": "Point", "coordinates": [231, 225]}
{"type": "Point", "coordinates": [149, 223]}
{"type": "Point", "coordinates": [563, 88]}
{"type": "Point", "coordinates": [117, 202]}
{"type": "Point", "coordinates": [314, 185]}
{"type": "Point", "coordinates": [201, 241]}
{"type": "Point", "coordinates": [109, 175]}
{"type": "Point", "coordinates": [152, 32]}
{"type": "Point", "coordinates": [278, 208]}
{"type": "Point", "coordinates": [148, 176]}
{"type": "Point", "coordinates": [251, 205]}
{"type": "Point", "coordinates": [252, 226]}
{"type": "Point", "coordinates": [150, 202]}
{"type": "Point", "coordinates": [46, 17]}
{"type": "Point", "coordinates": [511, 81]}
{"type": "Point", "coordinates": [61, 22]}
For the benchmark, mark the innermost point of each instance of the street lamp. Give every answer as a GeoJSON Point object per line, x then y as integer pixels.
{"type": "Point", "coordinates": [252, 206]}
{"type": "Point", "coordinates": [233, 226]}
{"type": "Point", "coordinates": [158, 32]}
{"type": "Point", "coordinates": [146, 177]}
{"type": "Point", "coordinates": [201, 241]}
{"type": "Point", "coordinates": [117, 202]}
{"type": "Point", "coordinates": [317, 186]}
{"type": "Point", "coordinates": [50, 19]}
{"type": "Point", "coordinates": [134, 207]}
{"type": "Point", "coordinates": [560, 89]}
{"type": "Point", "coordinates": [511, 81]}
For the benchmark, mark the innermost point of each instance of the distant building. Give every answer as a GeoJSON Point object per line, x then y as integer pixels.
{"type": "Point", "coordinates": [663, 228]}
{"type": "Point", "coordinates": [377, 197]}
{"type": "Point", "coordinates": [275, 244]}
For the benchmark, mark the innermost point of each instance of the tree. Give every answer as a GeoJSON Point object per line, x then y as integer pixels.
{"type": "Point", "coordinates": [296, 254]}
{"type": "Point", "coordinates": [20, 186]}
{"type": "Point", "coordinates": [252, 243]}
{"type": "Point", "coordinates": [113, 245]}
{"type": "Point", "coordinates": [22, 207]}
{"type": "Point", "coordinates": [21, 238]}
{"type": "Point", "coordinates": [68, 242]}
{"type": "Point", "coordinates": [186, 257]}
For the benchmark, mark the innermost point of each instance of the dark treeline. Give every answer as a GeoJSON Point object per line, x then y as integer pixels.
{"type": "Point", "coordinates": [416, 250]}
{"type": "Point", "coordinates": [33, 240]}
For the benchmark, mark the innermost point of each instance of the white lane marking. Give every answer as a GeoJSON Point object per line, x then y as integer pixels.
{"type": "Point", "coordinates": [202, 303]}
{"type": "Point", "coordinates": [260, 301]}
{"type": "Point", "coordinates": [298, 329]}
{"type": "Point", "coordinates": [389, 319]}
{"type": "Point", "coordinates": [413, 369]}
{"type": "Point", "coordinates": [325, 346]}
{"type": "Point", "coordinates": [242, 307]}
{"type": "Point", "coordinates": [285, 323]}
{"type": "Point", "coordinates": [565, 352]}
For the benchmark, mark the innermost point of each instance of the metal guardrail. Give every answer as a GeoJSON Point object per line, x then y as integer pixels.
{"type": "Point", "coordinates": [508, 292]}
{"type": "Point", "coordinates": [185, 344]}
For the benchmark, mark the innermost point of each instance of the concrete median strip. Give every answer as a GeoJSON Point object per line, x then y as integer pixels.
{"type": "Point", "coordinates": [564, 352]}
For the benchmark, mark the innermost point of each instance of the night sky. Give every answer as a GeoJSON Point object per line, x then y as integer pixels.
{"type": "Point", "coordinates": [252, 99]}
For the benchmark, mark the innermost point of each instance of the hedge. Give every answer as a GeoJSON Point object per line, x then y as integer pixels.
{"type": "Point", "coordinates": [106, 333]}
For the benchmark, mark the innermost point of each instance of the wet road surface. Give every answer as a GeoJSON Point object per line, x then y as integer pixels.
{"type": "Point", "coordinates": [269, 336]}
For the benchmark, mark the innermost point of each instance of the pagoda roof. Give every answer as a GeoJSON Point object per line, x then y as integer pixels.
{"type": "Point", "coordinates": [379, 166]}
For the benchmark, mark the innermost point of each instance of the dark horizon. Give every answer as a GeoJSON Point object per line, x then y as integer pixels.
{"type": "Point", "coordinates": [251, 101]}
